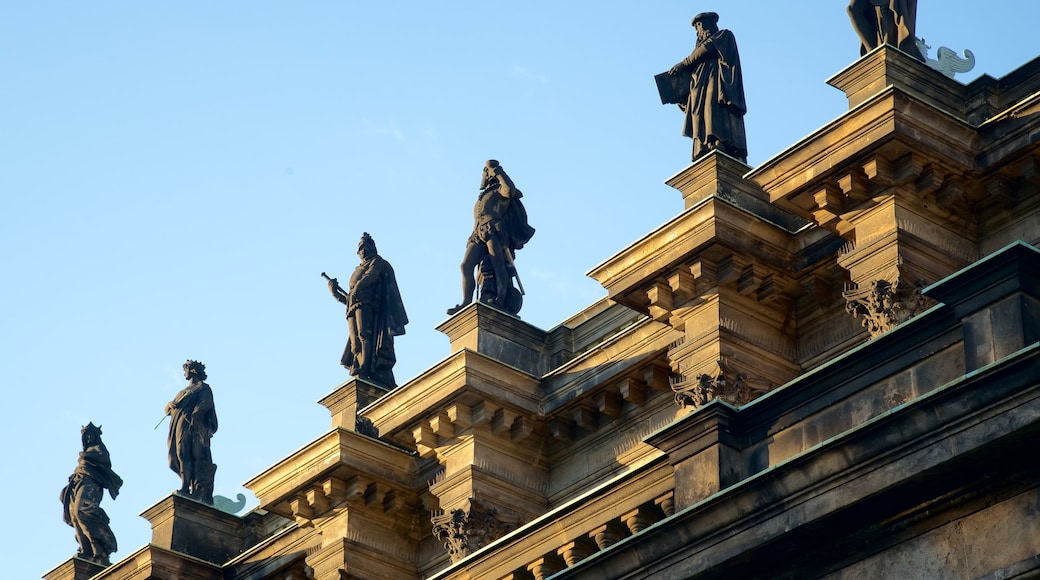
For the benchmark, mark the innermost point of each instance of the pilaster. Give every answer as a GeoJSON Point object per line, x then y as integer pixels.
{"type": "Point", "coordinates": [997, 300]}
{"type": "Point", "coordinates": [724, 277]}
{"type": "Point", "coordinates": [895, 177]}
{"type": "Point", "coordinates": [704, 450]}
{"type": "Point", "coordinates": [477, 417]}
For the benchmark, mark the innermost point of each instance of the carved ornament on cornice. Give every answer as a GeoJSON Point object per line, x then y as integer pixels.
{"type": "Point", "coordinates": [728, 385]}
{"type": "Point", "coordinates": [883, 305]}
{"type": "Point", "coordinates": [466, 531]}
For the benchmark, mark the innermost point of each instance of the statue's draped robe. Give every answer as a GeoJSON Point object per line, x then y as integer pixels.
{"type": "Point", "coordinates": [376, 311]}
{"type": "Point", "coordinates": [193, 421]}
{"type": "Point", "coordinates": [715, 107]}
{"type": "Point", "coordinates": [893, 24]}
{"type": "Point", "coordinates": [81, 499]}
{"type": "Point", "coordinates": [518, 231]}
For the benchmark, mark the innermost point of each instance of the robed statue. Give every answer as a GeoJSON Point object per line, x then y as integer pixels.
{"type": "Point", "coordinates": [375, 315]}
{"type": "Point", "coordinates": [709, 88]}
{"type": "Point", "coordinates": [500, 228]}
{"type": "Point", "coordinates": [880, 22]}
{"type": "Point", "coordinates": [193, 421]}
{"type": "Point", "coordinates": [81, 498]}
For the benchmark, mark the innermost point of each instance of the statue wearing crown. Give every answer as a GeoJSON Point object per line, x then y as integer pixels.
{"type": "Point", "coordinates": [193, 421]}
{"type": "Point", "coordinates": [81, 498]}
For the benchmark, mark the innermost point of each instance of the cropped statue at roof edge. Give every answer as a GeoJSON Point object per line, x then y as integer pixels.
{"type": "Point", "coordinates": [878, 22]}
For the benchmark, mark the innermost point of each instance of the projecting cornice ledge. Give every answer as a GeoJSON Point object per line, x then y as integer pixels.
{"type": "Point", "coordinates": [465, 376]}
{"type": "Point", "coordinates": [676, 245]}
{"type": "Point", "coordinates": [339, 463]}
{"type": "Point", "coordinates": [891, 129]}
{"type": "Point", "coordinates": [842, 488]}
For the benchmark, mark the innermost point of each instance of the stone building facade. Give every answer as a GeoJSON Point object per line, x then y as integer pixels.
{"type": "Point", "coordinates": [825, 366]}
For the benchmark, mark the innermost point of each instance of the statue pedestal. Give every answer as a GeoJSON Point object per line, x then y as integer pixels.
{"type": "Point", "coordinates": [498, 335]}
{"type": "Point", "coordinates": [887, 66]}
{"type": "Point", "coordinates": [714, 173]}
{"type": "Point", "coordinates": [74, 569]}
{"type": "Point", "coordinates": [349, 398]}
{"type": "Point", "coordinates": [189, 527]}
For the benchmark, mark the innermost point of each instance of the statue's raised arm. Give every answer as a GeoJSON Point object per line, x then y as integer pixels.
{"type": "Point", "coordinates": [375, 315]}
{"type": "Point", "coordinates": [500, 228]}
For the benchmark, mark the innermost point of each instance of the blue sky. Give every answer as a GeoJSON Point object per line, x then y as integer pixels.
{"type": "Point", "coordinates": [175, 176]}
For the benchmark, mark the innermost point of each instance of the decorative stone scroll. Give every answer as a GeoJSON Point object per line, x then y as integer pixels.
{"type": "Point", "coordinates": [883, 305]}
{"type": "Point", "coordinates": [947, 61]}
{"type": "Point", "coordinates": [466, 531]}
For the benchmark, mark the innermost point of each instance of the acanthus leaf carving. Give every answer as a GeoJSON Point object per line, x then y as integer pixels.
{"type": "Point", "coordinates": [883, 305]}
{"type": "Point", "coordinates": [466, 531]}
{"type": "Point", "coordinates": [728, 385]}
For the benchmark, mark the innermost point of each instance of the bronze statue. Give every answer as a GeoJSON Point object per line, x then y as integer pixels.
{"type": "Point", "coordinates": [500, 228]}
{"type": "Point", "coordinates": [81, 498]}
{"type": "Point", "coordinates": [375, 315]}
{"type": "Point", "coordinates": [193, 421]}
{"type": "Point", "coordinates": [709, 89]}
{"type": "Point", "coordinates": [880, 22]}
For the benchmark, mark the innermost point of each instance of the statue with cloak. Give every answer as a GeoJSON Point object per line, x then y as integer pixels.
{"type": "Point", "coordinates": [375, 315]}
{"type": "Point", "coordinates": [708, 86]}
{"type": "Point", "coordinates": [81, 498]}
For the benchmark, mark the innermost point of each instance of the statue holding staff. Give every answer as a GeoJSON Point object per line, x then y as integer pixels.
{"type": "Point", "coordinates": [375, 315]}
{"type": "Point", "coordinates": [193, 421]}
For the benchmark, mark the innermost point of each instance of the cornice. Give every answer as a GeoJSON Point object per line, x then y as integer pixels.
{"type": "Point", "coordinates": [340, 453]}
{"type": "Point", "coordinates": [891, 123]}
{"type": "Point", "coordinates": [465, 376]}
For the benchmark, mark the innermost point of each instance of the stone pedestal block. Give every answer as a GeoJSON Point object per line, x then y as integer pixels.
{"type": "Point", "coordinates": [497, 335]}
{"type": "Point", "coordinates": [74, 569]}
{"type": "Point", "coordinates": [193, 528]}
{"type": "Point", "coordinates": [887, 66]}
{"type": "Point", "coordinates": [349, 398]}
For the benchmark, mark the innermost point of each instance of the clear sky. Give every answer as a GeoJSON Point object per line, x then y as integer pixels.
{"type": "Point", "coordinates": [175, 176]}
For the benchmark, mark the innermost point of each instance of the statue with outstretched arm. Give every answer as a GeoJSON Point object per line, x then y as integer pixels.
{"type": "Point", "coordinates": [375, 315]}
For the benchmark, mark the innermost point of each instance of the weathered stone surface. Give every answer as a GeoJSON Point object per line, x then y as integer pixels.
{"type": "Point", "coordinates": [190, 527]}
{"type": "Point", "coordinates": [74, 569]}
{"type": "Point", "coordinates": [156, 562]}
{"type": "Point", "coordinates": [348, 400]}
{"type": "Point", "coordinates": [497, 335]}
{"type": "Point", "coordinates": [721, 409]}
